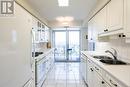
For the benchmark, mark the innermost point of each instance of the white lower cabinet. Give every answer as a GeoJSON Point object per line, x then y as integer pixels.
{"type": "Point", "coordinates": [97, 77]}
{"type": "Point", "coordinates": [83, 67]}
{"type": "Point", "coordinates": [99, 81]}
{"type": "Point", "coordinates": [112, 81]}
{"type": "Point", "coordinates": [94, 78]}
{"type": "Point", "coordinates": [90, 74]}
{"type": "Point", "coordinates": [42, 67]}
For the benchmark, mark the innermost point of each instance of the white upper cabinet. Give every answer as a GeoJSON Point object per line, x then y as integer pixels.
{"type": "Point", "coordinates": [92, 30]}
{"type": "Point", "coordinates": [110, 19]}
{"type": "Point", "coordinates": [115, 14]}
{"type": "Point", "coordinates": [113, 19]}
{"type": "Point", "coordinates": [101, 20]}
{"type": "Point", "coordinates": [47, 33]}
{"type": "Point", "coordinates": [40, 31]}
{"type": "Point", "coordinates": [42, 36]}
{"type": "Point", "coordinates": [35, 31]}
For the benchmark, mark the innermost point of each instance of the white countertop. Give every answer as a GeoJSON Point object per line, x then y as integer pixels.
{"type": "Point", "coordinates": [45, 52]}
{"type": "Point", "coordinates": [120, 72]}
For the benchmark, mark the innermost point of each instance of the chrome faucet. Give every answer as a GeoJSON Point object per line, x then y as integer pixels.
{"type": "Point", "coordinates": [113, 54]}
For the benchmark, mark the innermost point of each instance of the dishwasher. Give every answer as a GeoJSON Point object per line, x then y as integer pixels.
{"type": "Point", "coordinates": [40, 72]}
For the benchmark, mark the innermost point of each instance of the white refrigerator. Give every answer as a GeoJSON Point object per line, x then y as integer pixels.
{"type": "Point", "coordinates": [16, 49]}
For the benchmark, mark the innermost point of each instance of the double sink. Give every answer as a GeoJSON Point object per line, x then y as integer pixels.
{"type": "Point", "coordinates": [109, 60]}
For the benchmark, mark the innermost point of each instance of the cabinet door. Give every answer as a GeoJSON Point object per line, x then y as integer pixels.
{"type": "Point", "coordinates": [127, 19]}
{"type": "Point", "coordinates": [98, 81]}
{"type": "Point", "coordinates": [46, 34]}
{"type": "Point", "coordinates": [81, 67]}
{"type": "Point", "coordinates": [42, 35]}
{"type": "Point", "coordinates": [92, 30]}
{"type": "Point", "coordinates": [90, 74]}
{"type": "Point", "coordinates": [115, 14]}
{"type": "Point", "coordinates": [35, 30]}
{"type": "Point", "coordinates": [84, 70]}
{"type": "Point", "coordinates": [101, 22]}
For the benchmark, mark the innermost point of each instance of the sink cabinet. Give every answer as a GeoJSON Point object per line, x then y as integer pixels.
{"type": "Point", "coordinates": [99, 81]}
{"type": "Point", "coordinates": [112, 81]}
{"type": "Point", "coordinates": [94, 76]}
{"type": "Point", "coordinates": [98, 77]}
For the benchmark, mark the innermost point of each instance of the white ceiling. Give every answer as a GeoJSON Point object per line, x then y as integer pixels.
{"type": "Point", "coordinates": [49, 9]}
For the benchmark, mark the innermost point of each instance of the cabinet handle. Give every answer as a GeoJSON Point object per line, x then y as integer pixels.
{"type": "Point", "coordinates": [106, 30]}
{"type": "Point", "coordinates": [103, 82]}
{"type": "Point", "coordinates": [91, 69]}
{"type": "Point", "coordinates": [113, 83]}
{"type": "Point", "coordinates": [96, 68]}
{"type": "Point", "coordinates": [123, 35]}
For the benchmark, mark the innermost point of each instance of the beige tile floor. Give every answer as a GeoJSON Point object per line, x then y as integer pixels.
{"type": "Point", "coordinates": [64, 75]}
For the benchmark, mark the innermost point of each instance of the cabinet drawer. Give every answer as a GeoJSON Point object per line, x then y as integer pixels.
{"type": "Point", "coordinates": [98, 69]}
{"type": "Point", "coordinates": [112, 81]}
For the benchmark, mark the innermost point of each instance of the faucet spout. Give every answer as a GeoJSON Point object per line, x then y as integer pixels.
{"type": "Point", "coordinates": [113, 54]}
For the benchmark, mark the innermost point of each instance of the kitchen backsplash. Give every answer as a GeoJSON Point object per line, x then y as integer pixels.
{"type": "Point", "coordinates": [123, 49]}
{"type": "Point", "coordinates": [40, 46]}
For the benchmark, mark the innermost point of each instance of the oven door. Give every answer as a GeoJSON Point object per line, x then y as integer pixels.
{"type": "Point", "coordinates": [40, 72]}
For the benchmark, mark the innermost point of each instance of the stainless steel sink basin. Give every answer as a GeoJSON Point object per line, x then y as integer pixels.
{"type": "Point", "coordinates": [113, 62]}
{"type": "Point", "coordinates": [102, 57]}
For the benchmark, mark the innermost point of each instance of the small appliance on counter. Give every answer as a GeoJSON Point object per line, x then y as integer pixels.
{"type": "Point", "coordinates": [48, 44]}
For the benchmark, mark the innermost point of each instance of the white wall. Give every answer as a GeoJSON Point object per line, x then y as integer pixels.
{"type": "Point", "coordinates": [15, 49]}
{"type": "Point", "coordinates": [123, 49]}
{"type": "Point", "coordinates": [26, 5]}
{"type": "Point", "coordinates": [83, 40]}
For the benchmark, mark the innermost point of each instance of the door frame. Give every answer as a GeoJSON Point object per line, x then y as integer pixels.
{"type": "Point", "coordinates": [67, 43]}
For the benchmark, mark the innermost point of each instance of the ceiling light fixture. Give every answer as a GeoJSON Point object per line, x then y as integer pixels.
{"type": "Point", "coordinates": [60, 19]}
{"type": "Point", "coordinates": [68, 18]}
{"type": "Point", "coordinates": [65, 23]}
{"type": "Point", "coordinates": [63, 3]}
{"type": "Point", "coordinates": [65, 19]}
